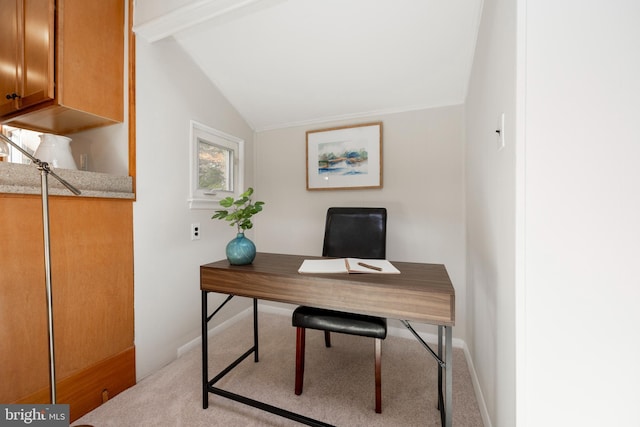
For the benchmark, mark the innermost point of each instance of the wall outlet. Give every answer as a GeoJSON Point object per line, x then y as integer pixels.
{"type": "Point", "coordinates": [195, 231]}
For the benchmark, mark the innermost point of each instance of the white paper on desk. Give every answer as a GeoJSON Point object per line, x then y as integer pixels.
{"type": "Point", "coordinates": [347, 265]}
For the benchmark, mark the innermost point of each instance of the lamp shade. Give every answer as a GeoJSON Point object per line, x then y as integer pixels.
{"type": "Point", "coordinates": [4, 149]}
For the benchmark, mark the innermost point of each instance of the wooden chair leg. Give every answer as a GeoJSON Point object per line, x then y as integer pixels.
{"type": "Point", "coordinates": [378, 352]}
{"type": "Point", "coordinates": [327, 338]}
{"type": "Point", "coordinates": [300, 345]}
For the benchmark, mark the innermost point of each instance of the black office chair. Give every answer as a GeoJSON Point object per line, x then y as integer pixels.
{"type": "Point", "coordinates": [349, 233]}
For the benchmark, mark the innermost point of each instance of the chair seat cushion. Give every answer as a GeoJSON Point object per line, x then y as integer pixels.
{"type": "Point", "coordinates": [341, 322]}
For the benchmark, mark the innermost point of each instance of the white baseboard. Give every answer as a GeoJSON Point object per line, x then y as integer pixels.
{"type": "Point", "coordinates": [486, 420]}
{"type": "Point", "coordinates": [392, 330]}
{"type": "Point", "coordinates": [283, 311]}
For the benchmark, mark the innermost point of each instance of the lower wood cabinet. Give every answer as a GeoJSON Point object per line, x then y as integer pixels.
{"type": "Point", "coordinates": [92, 288]}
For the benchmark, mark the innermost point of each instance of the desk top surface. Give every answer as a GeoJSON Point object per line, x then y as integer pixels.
{"type": "Point", "coordinates": [421, 292]}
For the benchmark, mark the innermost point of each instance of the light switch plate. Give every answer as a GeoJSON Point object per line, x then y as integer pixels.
{"type": "Point", "coordinates": [500, 132]}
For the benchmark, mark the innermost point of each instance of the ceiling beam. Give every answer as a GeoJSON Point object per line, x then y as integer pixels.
{"type": "Point", "coordinates": [196, 13]}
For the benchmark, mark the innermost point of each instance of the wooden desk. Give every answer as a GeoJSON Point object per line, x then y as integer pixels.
{"type": "Point", "coordinates": [422, 293]}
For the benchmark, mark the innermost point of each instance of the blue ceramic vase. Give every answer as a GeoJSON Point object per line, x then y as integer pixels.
{"type": "Point", "coordinates": [241, 251]}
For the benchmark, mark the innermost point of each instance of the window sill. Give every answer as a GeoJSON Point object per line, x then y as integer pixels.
{"type": "Point", "coordinates": [213, 203]}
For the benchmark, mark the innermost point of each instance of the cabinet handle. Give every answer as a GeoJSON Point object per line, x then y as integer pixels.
{"type": "Point", "coordinates": [13, 96]}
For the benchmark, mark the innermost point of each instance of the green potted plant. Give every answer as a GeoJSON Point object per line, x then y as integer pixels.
{"type": "Point", "coordinates": [238, 213]}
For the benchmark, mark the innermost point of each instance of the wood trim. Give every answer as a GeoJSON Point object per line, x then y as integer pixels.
{"type": "Point", "coordinates": [132, 97]}
{"type": "Point", "coordinates": [87, 389]}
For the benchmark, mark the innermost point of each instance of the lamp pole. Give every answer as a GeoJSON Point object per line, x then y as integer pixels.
{"type": "Point", "coordinates": [45, 171]}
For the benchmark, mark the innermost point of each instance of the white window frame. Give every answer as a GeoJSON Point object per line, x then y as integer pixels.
{"type": "Point", "coordinates": [203, 199]}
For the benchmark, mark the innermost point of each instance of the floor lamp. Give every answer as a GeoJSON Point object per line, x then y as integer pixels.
{"type": "Point", "coordinates": [44, 172]}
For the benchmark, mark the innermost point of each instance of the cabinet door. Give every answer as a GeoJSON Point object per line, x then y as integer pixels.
{"type": "Point", "coordinates": [36, 68]}
{"type": "Point", "coordinates": [8, 55]}
{"type": "Point", "coordinates": [26, 53]}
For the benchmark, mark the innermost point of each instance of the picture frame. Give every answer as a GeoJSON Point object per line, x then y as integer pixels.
{"type": "Point", "coordinates": [345, 158]}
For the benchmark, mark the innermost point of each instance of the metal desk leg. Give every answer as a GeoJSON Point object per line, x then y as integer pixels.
{"type": "Point", "coordinates": [444, 396]}
{"type": "Point", "coordinates": [440, 368]}
{"type": "Point", "coordinates": [208, 386]}
{"type": "Point", "coordinates": [205, 353]}
{"type": "Point", "coordinates": [448, 373]}
{"type": "Point", "coordinates": [255, 329]}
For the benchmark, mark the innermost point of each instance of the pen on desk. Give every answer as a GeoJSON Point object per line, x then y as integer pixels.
{"type": "Point", "coordinates": [372, 267]}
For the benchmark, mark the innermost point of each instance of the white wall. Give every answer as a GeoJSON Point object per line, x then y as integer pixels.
{"type": "Point", "coordinates": [423, 192]}
{"type": "Point", "coordinates": [581, 208]}
{"type": "Point", "coordinates": [552, 218]}
{"type": "Point", "coordinates": [171, 91]}
{"type": "Point", "coordinates": [490, 203]}
{"type": "Point", "coordinates": [106, 148]}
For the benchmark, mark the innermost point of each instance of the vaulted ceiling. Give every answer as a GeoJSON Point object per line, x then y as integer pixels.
{"type": "Point", "coordinates": [290, 62]}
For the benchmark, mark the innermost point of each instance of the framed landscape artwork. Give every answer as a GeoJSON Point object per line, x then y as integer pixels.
{"type": "Point", "coordinates": [345, 158]}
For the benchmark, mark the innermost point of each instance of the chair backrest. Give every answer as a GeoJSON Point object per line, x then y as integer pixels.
{"type": "Point", "coordinates": [355, 233]}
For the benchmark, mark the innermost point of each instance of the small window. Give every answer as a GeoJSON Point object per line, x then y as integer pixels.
{"type": "Point", "coordinates": [26, 139]}
{"type": "Point", "coordinates": [217, 164]}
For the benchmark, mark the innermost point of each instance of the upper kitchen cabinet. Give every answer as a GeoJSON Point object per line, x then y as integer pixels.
{"type": "Point", "coordinates": [26, 52]}
{"type": "Point", "coordinates": [63, 64]}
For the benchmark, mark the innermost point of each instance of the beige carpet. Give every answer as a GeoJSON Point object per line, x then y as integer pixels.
{"type": "Point", "coordinates": [338, 386]}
